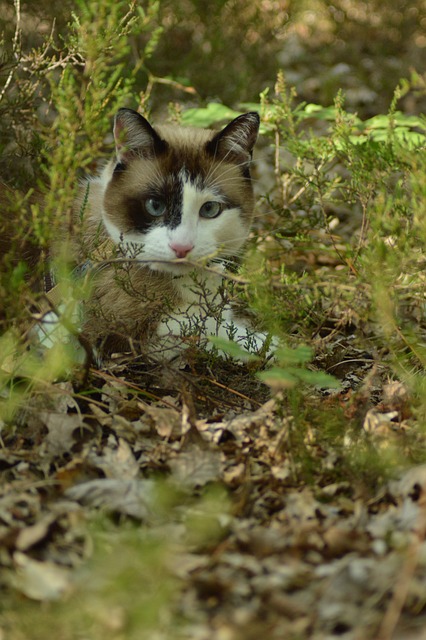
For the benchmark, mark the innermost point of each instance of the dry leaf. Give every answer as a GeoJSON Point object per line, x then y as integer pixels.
{"type": "Point", "coordinates": [29, 536]}
{"type": "Point", "coordinates": [166, 422]}
{"type": "Point", "coordinates": [39, 580]}
{"type": "Point", "coordinates": [130, 497]}
{"type": "Point", "coordinates": [380, 424]}
{"type": "Point", "coordinates": [195, 467]}
{"type": "Point", "coordinates": [61, 428]}
{"type": "Point", "coordinates": [235, 474]}
{"type": "Point", "coordinates": [116, 461]}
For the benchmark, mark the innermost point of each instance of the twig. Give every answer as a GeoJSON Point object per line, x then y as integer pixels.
{"type": "Point", "coordinates": [334, 366]}
{"type": "Point", "coordinates": [152, 80]}
{"type": "Point", "coordinates": [16, 46]}
{"type": "Point", "coordinates": [234, 391]}
{"type": "Point", "coordinates": [108, 377]}
{"type": "Point", "coordinates": [180, 261]}
{"type": "Point", "coordinates": [363, 231]}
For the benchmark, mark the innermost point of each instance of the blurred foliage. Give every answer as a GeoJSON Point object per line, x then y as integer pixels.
{"type": "Point", "coordinates": [58, 99]}
{"type": "Point", "coordinates": [237, 42]}
{"type": "Point", "coordinates": [362, 47]}
{"type": "Point", "coordinates": [321, 45]}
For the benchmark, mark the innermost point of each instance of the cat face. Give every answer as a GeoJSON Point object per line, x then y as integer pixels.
{"type": "Point", "coordinates": [177, 193]}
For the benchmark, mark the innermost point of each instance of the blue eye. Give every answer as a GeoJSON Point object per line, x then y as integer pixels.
{"type": "Point", "coordinates": [211, 209]}
{"type": "Point", "coordinates": [155, 207]}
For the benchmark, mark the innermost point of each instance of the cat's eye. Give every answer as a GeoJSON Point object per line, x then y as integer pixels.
{"type": "Point", "coordinates": [155, 207]}
{"type": "Point", "coordinates": [211, 209]}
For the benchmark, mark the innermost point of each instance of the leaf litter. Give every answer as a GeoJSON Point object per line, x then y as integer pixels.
{"type": "Point", "coordinates": [289, 545]}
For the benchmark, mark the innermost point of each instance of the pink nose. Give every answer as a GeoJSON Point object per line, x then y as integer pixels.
{"type": "Point", "coordinates": [181, 250]}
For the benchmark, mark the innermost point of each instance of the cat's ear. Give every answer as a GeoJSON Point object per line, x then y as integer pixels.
{"type": "Point", "coordinates": [236, 141]}
{"type": "Point", "coordinates": [134, 136]}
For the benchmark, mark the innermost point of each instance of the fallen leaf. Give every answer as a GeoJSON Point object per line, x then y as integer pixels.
{"type": "Point", "coordinates": [166, 422]}
{"type": "Point", "coordinates": [61, 428]}
{"type": "Point", "coordinates": [195, 467]}
{"type": "Point", "coordinates": [116, 462]}
{"type": "Point", "coordinates": [380, 423]}
{"type": "Point", "coordinates": [39, 580]}
{"type": "Point", "coordinates": [130, 497]}
{"type": "Point", "coordinates": [235, 474]}
{"type": "Point", "coordinates": [29, 536]}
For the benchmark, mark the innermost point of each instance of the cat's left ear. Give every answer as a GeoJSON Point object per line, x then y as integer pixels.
{"type": "Point", "coordinates": [236, 141]}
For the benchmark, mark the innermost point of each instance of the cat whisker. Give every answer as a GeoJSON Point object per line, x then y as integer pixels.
{"type": "Point", "coordinates": [225, 160]}
{"type": "Point", "coordinates": [218, 168]}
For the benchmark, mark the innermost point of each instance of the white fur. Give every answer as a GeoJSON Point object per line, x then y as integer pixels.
{"type": "Point", "coordinates": [194, 316]}
{"type": "Point", "coordinates": [224, 234]}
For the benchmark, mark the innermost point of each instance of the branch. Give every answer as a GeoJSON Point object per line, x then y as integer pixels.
{"type": "Point", "coordinates": [16, 46]}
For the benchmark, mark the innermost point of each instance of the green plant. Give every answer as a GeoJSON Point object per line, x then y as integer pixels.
{"type": "Point", "coordinates": [350, 195]}
{"type": "Point", "coordinates": [372, 170]}
{"type": "Point", "coordinates": [77, 80]}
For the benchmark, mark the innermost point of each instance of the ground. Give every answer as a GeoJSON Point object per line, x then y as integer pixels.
{"type": "Point", "coordinates": [255, 531]}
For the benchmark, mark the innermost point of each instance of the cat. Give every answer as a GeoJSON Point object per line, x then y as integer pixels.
{"type": "Point", "coordinates": [157, 226]}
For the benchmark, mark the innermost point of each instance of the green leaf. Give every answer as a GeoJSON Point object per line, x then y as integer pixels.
{"type": "Point", "coordinates": [18, 274]}
{"type": "Point", "coordinates": [318, 379]}
{"type": "Point", "coordinates": [278, 378]}
{"type": "Point", "coordinates": [207, 116]}
{"type": "Point", "coordinates": [254, 106]}
{"type": "Point", "coordinates": [411, 139]}
{"type": "Point", "coordinates": [232, 349]}
{"type": "Point", "coordinates": [289, 377]}
{"type": "Point", "coordinates": [300, 355]}
{"type": "Point", "coordinates": [321, 113]}
{"type": "Point", "coordinates": [399, 119]}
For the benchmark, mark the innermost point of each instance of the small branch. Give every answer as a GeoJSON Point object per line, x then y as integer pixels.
{"type": "Point", "coordinates": [230, 390]}
{"type": "Point", "coordinates": [363, 231]}
{"type": "Point", "coordinates": [277, 169]}
{"type": "Point", "coordinates": [16, 46]}
{"type": "Point", "coordinates": [152, 80]}
{"type": "Point", "coordinates": [186, 263]}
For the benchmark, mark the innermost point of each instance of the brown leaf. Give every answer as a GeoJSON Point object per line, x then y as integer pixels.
{"type": "Point", "coordinates": [196, 466]}
{"type": "Point", "coordinates": [39, 580]}
{"type": "Point", "coordinates": [235, 474]}
{"type": "Point", "coordinates": [129, 497]}
{"type": "Point", "coordinates": [61, 428]}
{"type": "Point", "coordinates": [167, 422]}
{"type": "Point", "coordinates": [116, 461]}
{"type": "Point", "coordinates": [29, 536]}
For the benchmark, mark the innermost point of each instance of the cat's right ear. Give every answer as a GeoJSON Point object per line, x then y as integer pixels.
{"type": "Point", "coordinates": [134, 137]}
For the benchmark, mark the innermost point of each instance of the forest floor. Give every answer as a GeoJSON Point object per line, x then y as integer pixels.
{"type": "Point", "coordinates": [223, 497]}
